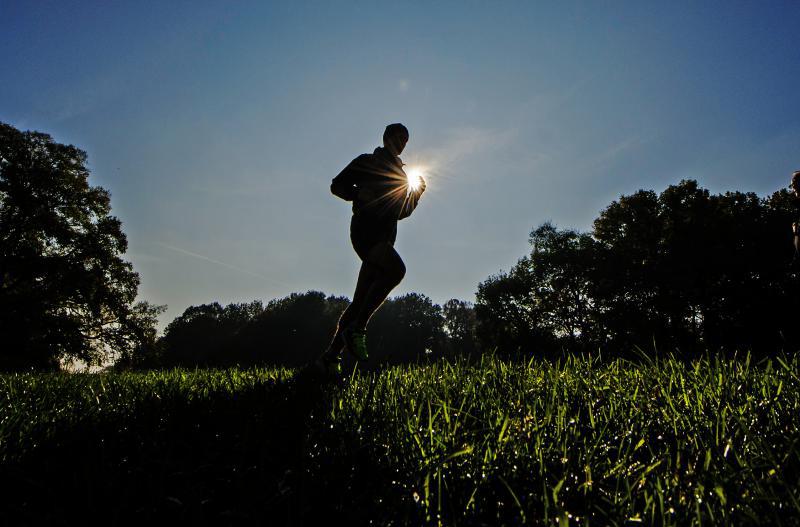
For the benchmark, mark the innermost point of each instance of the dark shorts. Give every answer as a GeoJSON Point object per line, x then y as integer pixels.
{"type": "Point", "coordinates": [365, 237]}
{"type": "Point", "coordinates": [363, 244]}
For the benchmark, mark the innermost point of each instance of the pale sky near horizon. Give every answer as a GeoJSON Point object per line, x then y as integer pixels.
{"type": "Point", "coordinates": [217, 126]}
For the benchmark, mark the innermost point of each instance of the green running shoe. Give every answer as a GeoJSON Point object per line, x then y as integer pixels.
{"type": "Point", "coordinates": [355, 340]}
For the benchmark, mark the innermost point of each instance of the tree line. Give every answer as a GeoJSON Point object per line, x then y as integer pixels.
{"type": "Point", "coordinates": [293, 331]}
{"type": "Point", "coordinates": [682, 271]}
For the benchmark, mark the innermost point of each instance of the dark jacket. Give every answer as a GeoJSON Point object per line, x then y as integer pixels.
{"type": "Point", "coordinates": [385, 198]}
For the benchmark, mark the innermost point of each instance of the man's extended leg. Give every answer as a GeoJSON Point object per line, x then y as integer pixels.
{"type": "Point", "coordinates": [391, 271]}
{"type": "Point", "coordinates": [381, 271]}
{"type": "Point", "coordinates": [367, 276]}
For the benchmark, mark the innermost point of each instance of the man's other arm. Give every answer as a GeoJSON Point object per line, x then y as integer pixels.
{"type": "Point", "coordinates": [411, 201]}
{"type": "Point", "coordinates": [345, 185]}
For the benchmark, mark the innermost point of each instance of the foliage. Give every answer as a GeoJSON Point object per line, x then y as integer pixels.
{"type": "Point", "coordinates": [291, 331]}
{"type": "Point", "coordinates": [148, 350]}
{"type": "Point", "coordinates": [65, 292]}
{"type": "Point", "coordinates": [460, 326]}
{"type": "Point", "coordinates": [202, 335]}
{"type": "Point", "coordinates": [294, 330]}
{"type": "Point", "coordinates": [686, 270]}
{"type": "Point", "coordinates": [661, 441]}
{"type": "Point", "coordinates": [544, 300]}
{"type": "Point", "coordinates": [407, 328]}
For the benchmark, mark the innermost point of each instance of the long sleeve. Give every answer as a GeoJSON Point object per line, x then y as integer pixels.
{"type": "Point", "coordinates": [409, 204]}
{"type": "Point", "coordinates": [345, 184]}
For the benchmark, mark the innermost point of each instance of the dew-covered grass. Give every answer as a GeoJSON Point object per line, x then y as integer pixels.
{"type": "Point", "coordinates": [574, 442]}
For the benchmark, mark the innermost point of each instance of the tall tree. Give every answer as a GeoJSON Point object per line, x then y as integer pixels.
{"type": "Point", "coordinates": [682, 270]}
{"type": "Point", "coordinates": [544, 302]}
{"type": "Point", "coordinates": [628, 234]}
{"type": "Point", "coordinates": [291, 331]}
{"type": "Point", "coordinates": [406, 328]}
{"type": "Point", "coordinates": [460, 326]}
{"type": "Point", "coordinates": [509, 314]}
{"type": "Point", "coordinates": [65, 291]}
{"type": "Point", "coordinates": [690, 270]}
{"type": "Point", "coordinates": [204, 335]}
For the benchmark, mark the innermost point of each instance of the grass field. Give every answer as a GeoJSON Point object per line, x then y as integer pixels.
{"type": "Point", "coordinates": [577, 442]}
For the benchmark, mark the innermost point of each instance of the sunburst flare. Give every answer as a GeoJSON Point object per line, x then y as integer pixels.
{"type": "Point", "coordinates": [415, 178]}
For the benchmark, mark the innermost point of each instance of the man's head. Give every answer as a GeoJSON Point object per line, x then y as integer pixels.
{"type": "Point", "coordinates": [395, 138]}
{"type": "Point", "coordinates": [796, 183]}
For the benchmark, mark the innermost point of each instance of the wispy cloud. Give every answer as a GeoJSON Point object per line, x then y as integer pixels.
{"type": "Point", "coordinates": [614, 152]}
{"type": "Point", "coordinates": [217, 262]}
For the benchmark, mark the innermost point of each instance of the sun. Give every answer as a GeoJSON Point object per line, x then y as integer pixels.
{"type": "Point", "coordinates": [415, 179]}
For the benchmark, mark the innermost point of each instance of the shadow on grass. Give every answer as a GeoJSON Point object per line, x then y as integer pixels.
{"type": "Point", "coordinates": [241, 457]}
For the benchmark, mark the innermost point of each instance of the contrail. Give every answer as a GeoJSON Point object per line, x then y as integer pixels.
{"type": "Point", "coordinates": [223, 264]}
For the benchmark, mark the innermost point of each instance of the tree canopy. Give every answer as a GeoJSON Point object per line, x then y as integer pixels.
{"type": "Point", "coordinates": [294, 330]}
{"type": "Point", "coordinates": [65, 291]}
{"type": "Point", "coordinates": [683, 270]}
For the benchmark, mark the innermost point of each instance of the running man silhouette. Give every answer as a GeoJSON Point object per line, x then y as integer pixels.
{"type": "Point", "coordinates": [381, 196]}
{"type": "Point", "coordinates": [795, 184]}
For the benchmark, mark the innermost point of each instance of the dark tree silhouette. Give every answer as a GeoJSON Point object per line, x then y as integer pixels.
{"type": "Point", "coordinates": [628, 234]}
{"type": "Point", "coordinates": [203, 335]}
{"type": "Point", "coordinates": [407, 328]}
{"type": "Point", "coordinates": [544, 301]}
{"type": "Point", "coordinates": [508, 314]}
{"type": "Point", "coordinates": [684, 270]}
{"type": "Point", "coordinates": [291, 331]}
{"type": "Point", "coordinates": [65, 291]}
{"type": "Point", "coordinates": [460, 327]}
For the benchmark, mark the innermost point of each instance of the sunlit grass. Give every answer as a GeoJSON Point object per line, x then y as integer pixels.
{"type": "Point", "coordinates": [575, 442]}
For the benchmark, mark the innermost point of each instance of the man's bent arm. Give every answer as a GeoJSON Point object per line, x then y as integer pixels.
{"type": "Point", "coordinates": [344, 185]}
{"type": "Point", "coordinates": [409, 204]}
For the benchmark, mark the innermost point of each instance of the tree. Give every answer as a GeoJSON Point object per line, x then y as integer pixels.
{"type": "Point", "coordinates": [148, 352]}
{"type": "Point", "coordinates": [544, 302]}
{"type": "Point", "coordinates": [685, 270]}
{"type": "Point", "coordinates": [291, 331]}
{"type": "Point", "coordinates": [406, 328]}
{"type": "Point", "coordinates": [508, 314]}
{"type": "Point", "coordinates": [562, 266]}
{"type": "Point", "coordinates": [204, 335]}
{"type": "Point", "coordinates": [65, 291]}
{"type": "Point", "coordinates": [628, 235]}
{"type": "Point", "coordinates": [691, 271]}
{"type": "Point", "coordinates": [460, 327]}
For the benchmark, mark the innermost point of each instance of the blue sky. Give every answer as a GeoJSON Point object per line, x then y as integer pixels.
{"type": "Point", "coordinates": [217, 126]}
